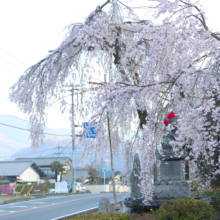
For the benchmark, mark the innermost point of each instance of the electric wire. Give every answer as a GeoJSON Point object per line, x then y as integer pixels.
{"type": "Point", "coordinates": [12, 64]}
{"type": "Point", "coordinates": [30, 130]}
{"type": "Point", "coordinates": [13, 57]}
{"type": "Point", "coordinates": [29, 153]}
{"type": "Point", "coordinates": [13, 113]}
{"type": "Point", "coordinates": [13, 116]}
{"type": "Point", "coordinates": [9, 70]}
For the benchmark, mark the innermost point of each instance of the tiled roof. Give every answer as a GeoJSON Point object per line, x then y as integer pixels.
{"type": "Point", "coordinates": [108, 174]}
{"type": "Point", "coordinates": [16, 168]}
{"type": "Point", "coordinates": [45, 161]}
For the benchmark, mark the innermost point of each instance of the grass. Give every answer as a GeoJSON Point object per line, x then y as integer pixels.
{"type": "Point", "coordinates": [104, 216]}
{"type": "Point", "coordinates": [11, 197]}
{"type": "Point", "coordinates": [115, 216]}
{"type": "Point", "coordinates": [144, 216]}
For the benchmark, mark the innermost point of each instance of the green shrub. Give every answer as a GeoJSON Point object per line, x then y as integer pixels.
{"type": "Point", "coordinates": [20, 186]}
{"type": "Point", "coordinates": [142, 216]}
{"type": "Point", "coordinates": [104, 216]}
{"type": "Point", "coordinates": [185, 209]}
{"type": "Point", "coordinates": [215, 197]}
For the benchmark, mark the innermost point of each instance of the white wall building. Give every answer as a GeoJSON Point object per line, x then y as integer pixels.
{"type": "Point", "coordinates": [21, 171]}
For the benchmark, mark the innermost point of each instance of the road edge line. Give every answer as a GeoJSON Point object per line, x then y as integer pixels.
{"type": "Point", "coordinates": [76, 213]}
{"type": "Point", "coordinates": [81, 212]}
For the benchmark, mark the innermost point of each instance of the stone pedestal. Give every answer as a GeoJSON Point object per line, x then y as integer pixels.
{"type": "Point", "coordinates": [171, 184]}
{"type": "Point", "coordinates": [167, 189]}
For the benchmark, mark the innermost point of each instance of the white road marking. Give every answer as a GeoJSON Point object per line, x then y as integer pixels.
{"type": "Point", "coordinates": [2, 211]}
{"type": "Point", "coordinates": [36, 203]}
{"type": "Point", "coordinates": [12, 211]}
{"type": "Point", "coordinates": [20, 206]}
{"type": "Point", "coordinates": [73, 213]}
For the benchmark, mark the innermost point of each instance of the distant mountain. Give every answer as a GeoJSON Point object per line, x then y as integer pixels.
{"type": "Point", "coordinates": [15, 143]}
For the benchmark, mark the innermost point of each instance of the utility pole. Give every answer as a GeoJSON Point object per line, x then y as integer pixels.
{"type": "Point", "coordinates": [112, 158]}
{"type": "Point", "coordinates": [73, 145]}
{"type": "Point", "coordinates": [110, 146]}
{"type": "Point", "coordinates": [112, 163]}
{"type": "Point", "coordinates": [58, 151]}
{"type": "Point", "coordinates": [73, 156]}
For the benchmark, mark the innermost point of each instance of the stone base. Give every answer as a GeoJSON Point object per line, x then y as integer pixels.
{"type": "Point", "coordinates": [137, 204]}
{"type": "Point", "coordinates": [167, 189]}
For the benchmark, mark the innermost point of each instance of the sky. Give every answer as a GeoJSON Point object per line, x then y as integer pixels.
{"type": "Point", "coordinates": [29, 29]}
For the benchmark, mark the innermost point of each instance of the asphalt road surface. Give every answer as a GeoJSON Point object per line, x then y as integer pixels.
{"type": "Point", "coordinates": [53, 207]}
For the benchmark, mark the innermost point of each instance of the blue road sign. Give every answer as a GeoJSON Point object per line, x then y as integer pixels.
{"type": "Point", "coordinates": [89, 129]}
{"type": "Point", "coordinates": [71, 185]}
{"type": "Point", "coordinates": [103, 169]}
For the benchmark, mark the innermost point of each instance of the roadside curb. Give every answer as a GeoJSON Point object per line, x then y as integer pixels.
{"type": "Point", "coordinates": [8, 201]}
{"type": "Point", "coordinates": [69, 194]}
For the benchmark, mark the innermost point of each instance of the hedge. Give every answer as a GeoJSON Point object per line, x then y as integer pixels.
{"type": "Point", "coordinates": [185, 209]}
{"type": "Point", "coordinates": [104, 216]}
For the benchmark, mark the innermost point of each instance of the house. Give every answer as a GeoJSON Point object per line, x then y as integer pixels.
{"type": "Point", "coordinates": [45, 164]}
{"type": "Point", "coordinates": [21, 171]}
{"type": "Point", "coordinates": [108, 177]}
{"type": "Point", "coordinates": [81, 174]}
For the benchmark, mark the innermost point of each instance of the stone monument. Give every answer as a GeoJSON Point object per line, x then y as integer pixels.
{"type": "Point", "coordinates": [134, 178]}
{"type": "Point", "coordinates": [105, 206]}
{"type": "Point", "coordinates": [172, 184]}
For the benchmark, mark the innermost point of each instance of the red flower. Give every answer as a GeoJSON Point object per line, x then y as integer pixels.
{"type": "Point", "coordinates": [171, 115]}
{"type": "Point", "coordinates": [166, 122]}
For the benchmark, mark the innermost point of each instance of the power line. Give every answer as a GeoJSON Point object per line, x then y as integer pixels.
{"type": "Point", "coordinates": [14, 116]}
{"type": "Point", "coordinates": [29, 153]}
{"type": "Point", "coordinates": [11, 64]}
{"type": "Point", "coordinates": [29, 122]}
{"type": "Point", "coordinates": [30, 130]}
{"type": "Point", "coordinates": [13, 57]}
{"type": "Point", "coordinates": [6, 86]}
{"type": "Point", "coordinates": [15, 113]}
{"type": "Point", "coordinates": [9, 70]}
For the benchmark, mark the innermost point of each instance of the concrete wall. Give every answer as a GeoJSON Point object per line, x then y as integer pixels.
{"type": "Point", "coordinates": [120, 188]}
{"type": "Point", "coordinates": [30, 175]}
{"type": "Point", "coordinates": [117, 180]}
{"type": "Point", "coordinates": [80, 174]}
{"type": "Point", "coordinates": [108, 188]}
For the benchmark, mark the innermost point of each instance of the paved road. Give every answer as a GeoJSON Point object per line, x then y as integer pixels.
{"type": "Point", "coordinates": [52, 207]}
